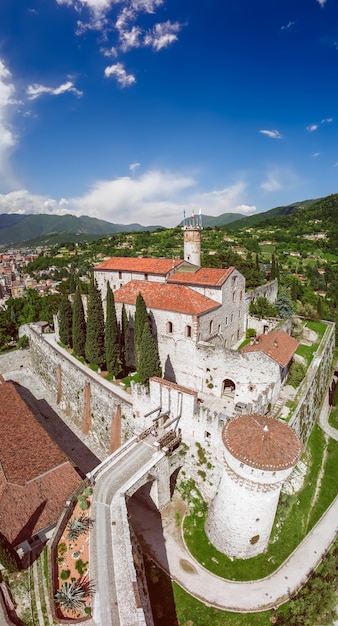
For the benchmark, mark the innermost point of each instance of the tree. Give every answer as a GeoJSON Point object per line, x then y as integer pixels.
{"type": "Point", "coordinates": [124, 340]}
{"type": "Point", "coordinates": [140, 321]}
{"type": "Point", "coordinates": [79, 325]}
{"type": "Point", "coordinates": [111, 335]}
{"type": "Point", "coordinates": [8, 556]}
{"type": "Point", "coordinates": [284, 305]}
{"type": "Point", "coordinates": [65, 321]}
{"type": "Point", "coordinates": [262, 308]}
{"type": "Point", "coordinates": [149, 360]}
{"type": "Point", "coordinates": [94, 349]}
{"type": "Point", "coordinates": [273, 273]}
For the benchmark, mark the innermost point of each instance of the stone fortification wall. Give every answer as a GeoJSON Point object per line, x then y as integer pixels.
{"type": "Point", "coordinates": [314, 387]}
{"type": "Point", "coordinates": [268, 291]}
{"type": "Point", "coordinates": [93, 403]}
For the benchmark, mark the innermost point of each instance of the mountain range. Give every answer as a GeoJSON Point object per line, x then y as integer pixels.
{"type": "Point", "coordinates": [17, 229]}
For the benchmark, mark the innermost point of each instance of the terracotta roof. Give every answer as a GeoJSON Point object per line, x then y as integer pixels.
{"type": "Point", "coordinates": [262, 442]}
{"type": "Point", "coordinates": [277, 344]}
{"type": "Point", "coordinates": [139, 264]}
{"type": "Point", "coordinates": [176, 298]}
{"type": "Point", "coordinates": [204, 276]}
{"type": "Point", "coordinates": [36, 477]}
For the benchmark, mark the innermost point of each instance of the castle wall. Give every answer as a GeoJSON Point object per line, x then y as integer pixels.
{"type": "Point", "coordinates": [268, 290]}
{"type": "Point", "coordinates": [312, 392]}
{"type": "Point", "coordinates": [88, 399]}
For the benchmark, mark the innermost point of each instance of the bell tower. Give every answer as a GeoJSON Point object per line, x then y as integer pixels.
{"type": "Point", "coordinates": [192, 240]}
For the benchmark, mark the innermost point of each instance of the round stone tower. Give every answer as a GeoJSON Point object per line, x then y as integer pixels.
{"type": "Point", "coordinates": [192, 244]}
{"type": "Point", "coordinates": [259, 454]}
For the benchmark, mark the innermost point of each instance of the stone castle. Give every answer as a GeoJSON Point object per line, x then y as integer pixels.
{"type": "Point", "coordinates": [211, 396]}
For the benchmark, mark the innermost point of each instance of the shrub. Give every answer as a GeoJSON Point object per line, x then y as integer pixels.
{"type": "Point", "coordinates": [296, 374]}
{"type": "Point", "coordinates": [64, 574]}
{"type": "Point", "coordinates": [250, 332]}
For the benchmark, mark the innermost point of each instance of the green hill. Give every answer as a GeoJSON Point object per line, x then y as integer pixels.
{"type": "Point", "coordinates": [21, 229]}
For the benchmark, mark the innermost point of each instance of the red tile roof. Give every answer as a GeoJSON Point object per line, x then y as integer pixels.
{"type": "Point", "coordinates": [205, 276]}
{"type": "Point", "coordinates": [176, 298]}
{"type": "Point", "coordinates": [36, 477]}
{"type": "Point", "coordinates": [277, 344]}
{"type": "Point", "coordinates": [262, 442]}
{"type": "Point", "coordinates": [139, 264]}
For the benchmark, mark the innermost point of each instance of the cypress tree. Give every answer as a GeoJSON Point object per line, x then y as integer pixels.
{"type": "Point", "coordinates": [141, 320]}
{"type": "Point", "coordinates": [65, 321]}
{"type": "Point", "coordinates": [273, 268]}
{"type": "Point", "coordinates": [79, 325]}
{"type": "Point", "coordinates": [124, 354]}
{"type": "Point", "coordinates": [111, 335]}
{"type": "Point", "coordinates": [149, 361]}
{"type": "Point", "coordinates": [94, 350]}
{"type": "Point", "coordinates": [8, 556]}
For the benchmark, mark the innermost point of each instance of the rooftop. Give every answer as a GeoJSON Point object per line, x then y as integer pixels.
{"type": "Point", "coordinates": [36, 477]}
{"type": "Point", "coordinates": [277, 345]}
{"type": "Point", "coordinates": [139, 264]}
{"type": "Point", "coordinates": [262, 442]}
{"type": "Point", "coordinates": [204, 276]}
{"type": "Point", "coordinates": [177, 298]}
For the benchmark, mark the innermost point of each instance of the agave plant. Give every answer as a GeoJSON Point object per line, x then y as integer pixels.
{"type": "Point", "coordinates": [78, 526]}
{"type": "Point", "coordinates": [72, 596]}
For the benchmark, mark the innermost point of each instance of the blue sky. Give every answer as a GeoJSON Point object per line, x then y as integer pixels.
{"type": "Point", "coordinates": [136, 110]}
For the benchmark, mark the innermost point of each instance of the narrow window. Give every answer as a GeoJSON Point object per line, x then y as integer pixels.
{"type": "Point", "coordinates": [210, 327]}
{"type": "Point", "coordinates": [226, 320]}
{"type": "Point", "coordinates": [146, 277]}
{"type": "Point", "coordinates": [120, 275]}
{"type": "Point", "coordinates": [188, 331]}
{"type": "Point", "coordinates": [169, 328]}
{"type": "Point", "coordinates": [232, 317]}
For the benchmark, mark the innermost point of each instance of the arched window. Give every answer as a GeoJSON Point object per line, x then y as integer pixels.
{"type": "Point", "coordinates": [169, 328]}
{"type": "Point", "coordinates": [188, 331]}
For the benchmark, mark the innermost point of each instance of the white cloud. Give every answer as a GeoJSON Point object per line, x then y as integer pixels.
{"type": "Point", "coordinates": [327, 120]}
{"type": "Point", "coordinates": [312, 127]}
{"type": "Point", "coordinates": [134, 166]}
{"type": "Point", "coordinates": [316, 154]}
{"type": "Point", "coordinates": [273, 134]}
{"type": "Point", "coordinates": [162, 35]}
{"type": "Point", "coordinates": [288, 26]}
{"type": "Point", "coordinates": [130, 39]}
{"type": "Point", "coordinates": [118, 71]}
{"type": "Point", "coordinates": [155, 197]}
{"type": "Point", "coordinates": [35, 91]}
{"type": "Point", "coordinates": [271, 183]}
{"type": "Point", "coordinates": [321, 2]}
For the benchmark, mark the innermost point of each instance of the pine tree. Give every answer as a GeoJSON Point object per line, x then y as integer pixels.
{"type": "Point", "coordinates": [95, 351]}
{"type": "Point", "coordinates": [111, 335]}
{"type": "Point", "coordinates": [65, 321]}
{"type": "Point", "coordinates": [149, 360]}
{"type": "Point", "coordinates": [140, 321]}
{"type": "Point", "coordinates": [284, 305]}
{"type": "Point", "coordinates": [79, 325]}
{"type": "Point", "coordinates": [124, 347]}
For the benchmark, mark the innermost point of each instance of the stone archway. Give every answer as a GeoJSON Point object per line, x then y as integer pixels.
{"type": "Point", "coordinates": [228, 387]}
